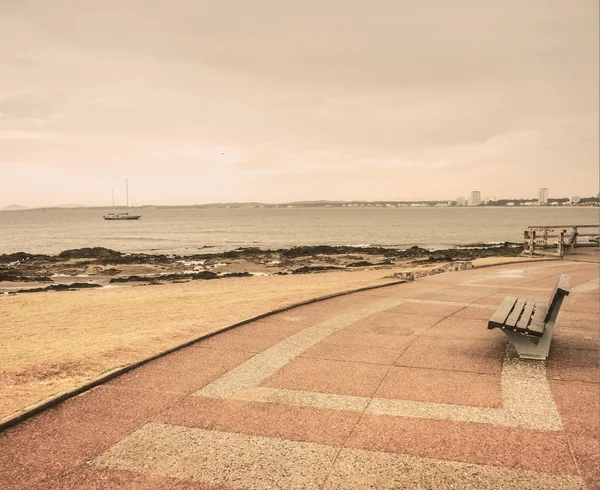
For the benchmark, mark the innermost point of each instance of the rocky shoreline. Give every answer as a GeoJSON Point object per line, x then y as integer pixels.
{"type": "Point", "coordinates": [101, 267]}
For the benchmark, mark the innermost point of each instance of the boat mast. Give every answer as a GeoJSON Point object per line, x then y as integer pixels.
{"type": "Point", "coordinates": [113, 195]}
{"type": "Point", "coordinates": [127, 191]}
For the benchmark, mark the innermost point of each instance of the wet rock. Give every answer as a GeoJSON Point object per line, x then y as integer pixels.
{"type": "Point", "coordinates": [15, 276]}
{"type": "Point", "coordinates": [90, 253]}
{"type": "Point", "coordinates": [165, 277]}
{"type": "Point", "coordinates": [61, 287]}
{"type": "Point", "coordinates": [360, 263]}
{"type": "Point", "coordinates": [236, 274]}
{"type": "Point", "coordinates": [21, 257]}
{"type": "Point", "coordinates": [314, 268]}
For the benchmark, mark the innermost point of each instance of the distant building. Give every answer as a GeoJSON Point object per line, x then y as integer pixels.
{"type": "Point", "coordinates": [543, 196]}
{"type": "Point", "coordinates": [461, 201]}
{"type": "Point", "coordinates": [474, 199]}
{"type": "Point", "coordinates": [575, 199]}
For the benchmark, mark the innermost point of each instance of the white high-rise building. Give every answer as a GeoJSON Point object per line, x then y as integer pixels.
{"type": "Point", "coordinates": [461, 201]}
{"type": "Point", "coordinates": [543, 196]}
{"type": "Point", "coordinates": [474, 199]}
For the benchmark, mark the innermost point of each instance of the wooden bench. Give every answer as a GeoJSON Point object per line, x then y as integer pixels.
{"type": "Point", "coordinates": [529, 324]}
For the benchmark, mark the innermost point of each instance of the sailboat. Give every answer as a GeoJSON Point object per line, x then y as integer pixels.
{"type": "Point", "coordinates": [121, 216]}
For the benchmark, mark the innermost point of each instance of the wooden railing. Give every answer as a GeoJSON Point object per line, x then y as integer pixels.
{"type": "Point", "coordinates": [558, 239]}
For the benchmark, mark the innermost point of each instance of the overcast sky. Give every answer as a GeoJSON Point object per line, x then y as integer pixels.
{"type": "Point", "coordinates": [271, 100]}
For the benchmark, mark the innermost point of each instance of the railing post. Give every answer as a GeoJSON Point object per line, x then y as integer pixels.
{"type": "Point", "coordinates": [561, 244]}
{"type": "Point", "coordinates": [574, 240]}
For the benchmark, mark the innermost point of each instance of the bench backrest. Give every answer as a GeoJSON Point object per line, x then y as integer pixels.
{"type": "Point", "coordinates": [560, 291]}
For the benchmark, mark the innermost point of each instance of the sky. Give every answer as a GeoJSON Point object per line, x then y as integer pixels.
{"type": "Point", "coordinates": [198, 101]}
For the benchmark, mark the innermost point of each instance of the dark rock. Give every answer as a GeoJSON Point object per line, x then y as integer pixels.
{"type": "Point", "coordinates": [236, 274]}
{"type": "Point", "coordinates": [90, 253]}
{"type": "Point", "coordinates": [20, 257]}
{"type": "Point", "coordinates": [16, 276]}
{"type": "Point", "coordinates": [315, 268]}
{"type": "Point", "coordinates": [61, 287]}
{"type": "Point", "coordinates": [361, 263]}
{"type": "Point", "coordinates": [166, 277]}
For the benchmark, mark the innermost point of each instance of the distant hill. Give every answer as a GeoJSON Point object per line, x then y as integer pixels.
{"type": "Point", "coordinates": [14, 207]}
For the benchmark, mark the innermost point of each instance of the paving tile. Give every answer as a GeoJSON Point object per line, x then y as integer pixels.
{"type": "Point", "coordinates": [184, 371]}
{"type": "Point", "coordinates": [576, 339]}
{"type": "Point", "coordinates": [432, 309]}
{"type": "Point", "coordinates": [585, 451]}
{"type": "Point", "coordinates": [72, 432]}
{"type": "Point", "coordinates": [577, 320]}
{"type": "Point", "coordinates": [471, 355]}
{"type": "Point", "coordinates": [401, 324]}
{"type": "Point", "coordinates": [467, 442]}
{"type": "Point", "coordinates": [388, 471]}
{"type": "Point", "coordinates": [325, 376]}
{"type": "Point", "coordinates": [473, 313]}
{"type": "Point", "coordinates": [463, 328]}
{"type": "Point", "coordinates": [282, 324]}
{"type": "Point", "coordinates": [353, 337]}
{"type": "Point", "coordinates": [90, 478]}
{"type": "Point", "coordinates": [221, 458]}
{"type": "Point", "coordinates": [431, 385]}
{"type": "Point", "coordinates": [264, 419]}
{"type": "Point", "coordinates": [243, 341]}
{"type": "Point", "coordinates": [353, 353]}
{"type": "Point", "coordinates": [495, 300]}
{"type": "Point", "coordinates": [577, 403]}
{"type": "Point", "coordinates": [573, 364]}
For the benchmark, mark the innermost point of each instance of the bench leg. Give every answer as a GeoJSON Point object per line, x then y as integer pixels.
{"type": "Point", "coordinates": [526, 348]}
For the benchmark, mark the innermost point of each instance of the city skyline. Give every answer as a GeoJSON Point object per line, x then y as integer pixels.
{"type": "Point", "coordinates": [275, 102]}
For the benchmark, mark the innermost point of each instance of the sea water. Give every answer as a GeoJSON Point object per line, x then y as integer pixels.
{"type": "Point", "coordinates": [189, 231]}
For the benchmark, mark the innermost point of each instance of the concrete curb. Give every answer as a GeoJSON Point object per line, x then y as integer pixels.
{"type": "Point", "coordinates": [40, 406]}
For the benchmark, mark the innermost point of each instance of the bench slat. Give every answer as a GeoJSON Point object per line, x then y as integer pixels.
{"type": "Point", "coordinates": [523, 323]}
{"type": "Point", "coordinates": [537, 322]}
{"type": "Point", "coordinates": [501, 314]}
{"type": "Point", "coordinates": [511, 321]}
{"type": "Point", "coordinates": [561, 289]}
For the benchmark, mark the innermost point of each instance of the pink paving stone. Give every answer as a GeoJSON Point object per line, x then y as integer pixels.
{"type": "Point", "coordinates": [576, 339]}
{"type": "Point", "coordinates": [468, 442]}
{"type": "Point", "coordinates": [454, 298]}
{"type": "Point", "coordinates": [91, 478]}
{"type": "Point", "coordinates": [433, 309]}
{"type": "Point", "coordinates": [264, 419]}
{"type": "Point", "coordinates": [579, 320]}
{"type": "Point", "coordinates": [573, 364]}
{"type": "Point", "coordinates": [353, 353]}
{"type": "Point", "coordinates": [475, 313]}
{"type": "Point", "coordinates": [490, 300]}
{"type": "Point", "coordinates": [585, 452]}
{"type": "Point", "coordinates": [77, 430]}
{"type": "Point", "coordinates": [577, 404]}
{"type": "Point", "coordinates": [463, 328]}
{"type": "Point", "coordinates": [401, 324]}
{"type": "Point", "coordinates": [233, 340]}
{"type": "Point", "coordinates": [431, 385]}
{"type": "Point", "coordinates": [369, 339]}
{"type": "Point", "coordinates": [471, 355]}
{"type": "Point", "coordinates": [325, 376]}
{"type": "Point", "coordinates": [184, 371]}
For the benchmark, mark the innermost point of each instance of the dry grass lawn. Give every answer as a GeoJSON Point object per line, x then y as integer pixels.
{"type": "Point", "coordinates": [51, 342]}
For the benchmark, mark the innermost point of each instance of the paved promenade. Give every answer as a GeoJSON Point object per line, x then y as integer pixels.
{"type": "Point", "coordinates": [399, 387]}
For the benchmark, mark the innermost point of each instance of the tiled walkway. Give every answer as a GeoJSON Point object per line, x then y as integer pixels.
{"type": "Point", "coordinates": [400, 387]}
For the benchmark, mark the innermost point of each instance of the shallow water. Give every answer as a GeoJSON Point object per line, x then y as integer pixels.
{"type": "Point", "coordinates": [186, 231]}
